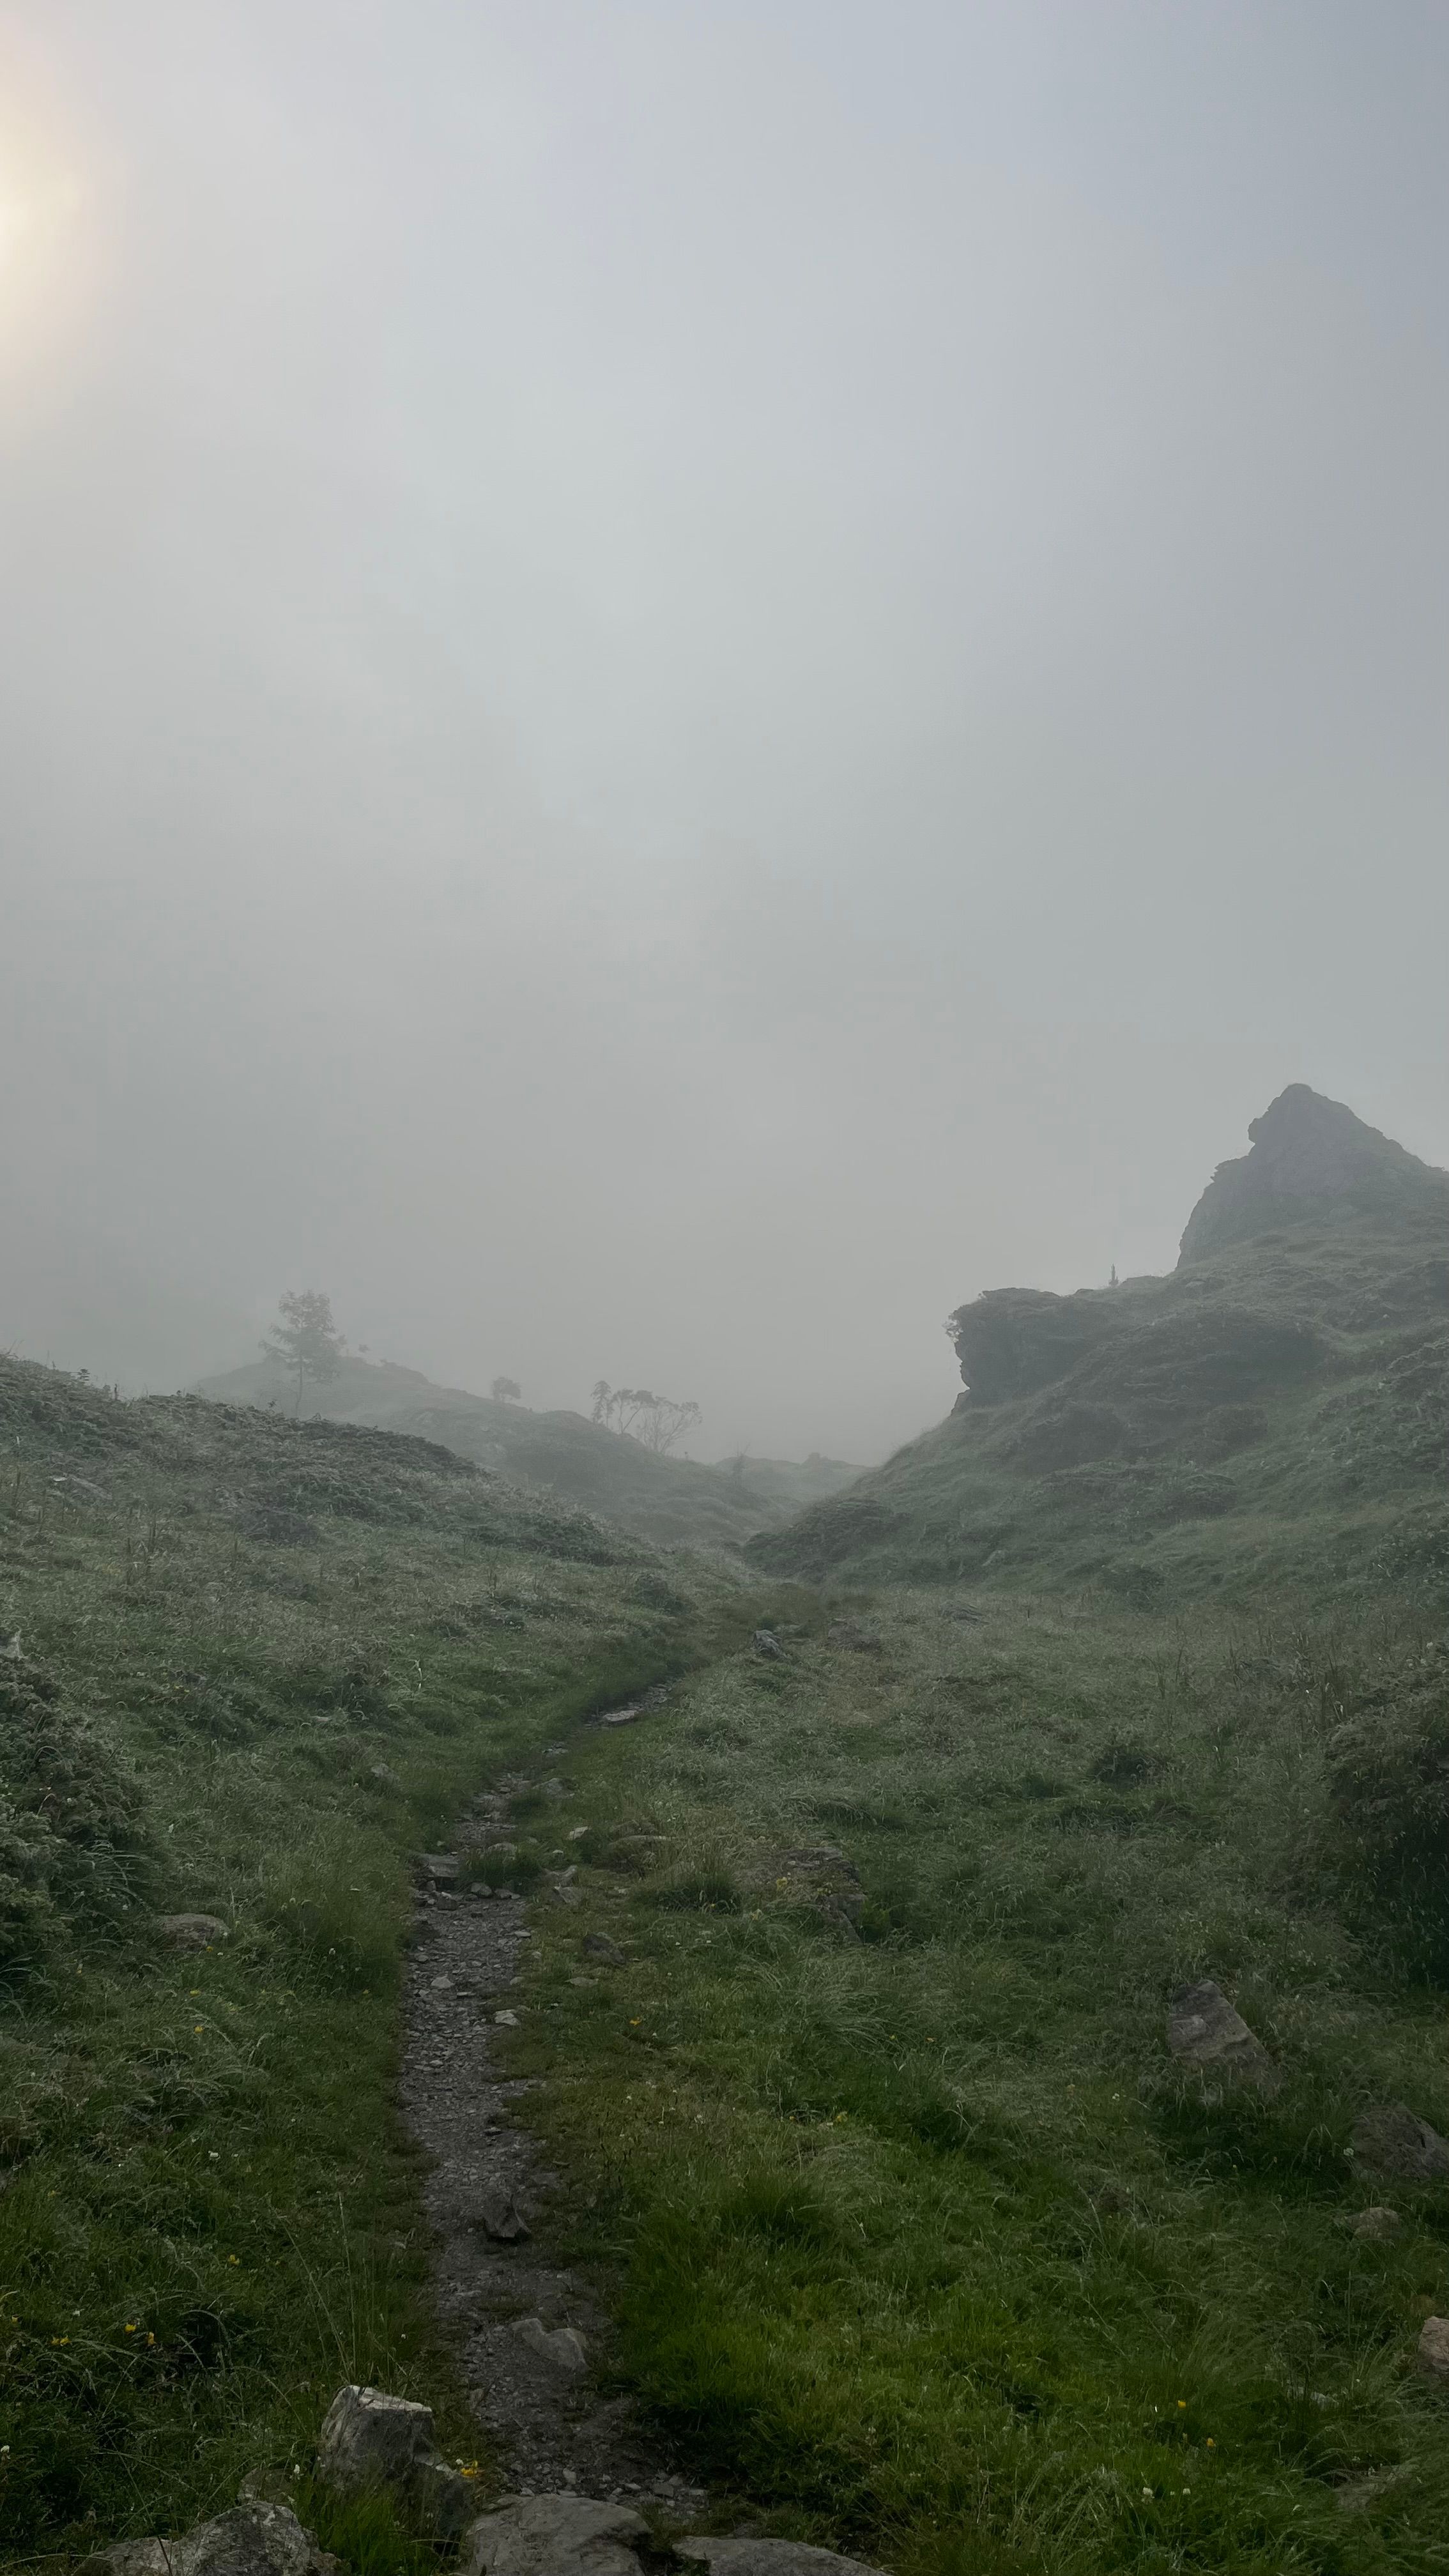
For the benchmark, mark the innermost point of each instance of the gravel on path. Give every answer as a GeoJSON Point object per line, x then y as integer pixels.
{"type": "Point", "coordinates": [550, 2424]}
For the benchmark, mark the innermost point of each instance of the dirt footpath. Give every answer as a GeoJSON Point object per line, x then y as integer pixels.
{"type": "Point", "coordinates": [540, 2410]}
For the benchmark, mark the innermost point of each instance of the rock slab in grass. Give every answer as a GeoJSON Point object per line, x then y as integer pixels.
{"type": "Point", "coordinates": [767, 1643]}
{"type": "Point", "coordinates": [597, 1945]}
{"type": "Point", "coordinates": [1432, 2356]}
{"type": "Point", "coordinates": [194, 1931]}
{"type": "Point", "coordinates": [1376, 2226]}
{"type": "Point", "coordinates": [1393, 2141]}
{"type": "Point", "coordinates": [554, 2535]}
{"type": "Point", "coordinates": [440, 1867]}
{"type": "Point", "coordinates": [251, 2540]}
{"type": "Point", "coordinates": [1204, 2030]}
{"type": "Point", "coordinates": [559, 2346]}
{"type": "Point", "coordinates": [745, 2557]}
{"type": "Point", "coordinates": [370, 2439]}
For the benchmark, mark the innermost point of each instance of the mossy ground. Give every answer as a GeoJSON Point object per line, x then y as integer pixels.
{"type": "Point", "coordinates": [915, 2233]}
{"type": "Point", "coordinates": [911, 2229]}
{"type": "Point", "coordinates": [276, 1660]}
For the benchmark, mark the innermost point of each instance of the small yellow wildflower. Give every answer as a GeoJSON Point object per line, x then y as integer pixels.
{"type": "Point", "coordinates": [130, 2329]}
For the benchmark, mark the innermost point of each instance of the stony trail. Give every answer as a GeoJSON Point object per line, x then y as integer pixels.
{"type": "Point", "coordinates": [548, 2422]}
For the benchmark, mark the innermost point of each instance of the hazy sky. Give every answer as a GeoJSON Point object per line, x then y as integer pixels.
{"type": "Point", "coordinates": [680, 681]}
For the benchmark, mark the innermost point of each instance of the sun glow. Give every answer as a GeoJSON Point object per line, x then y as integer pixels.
{"type": "Point", "coordinates": [47, 244]}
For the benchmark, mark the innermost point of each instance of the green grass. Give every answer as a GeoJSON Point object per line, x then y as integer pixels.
{"type": "Point", "coordinates": [209, 2217]}
{"type": "Point", "coordinates": [917, 2237]}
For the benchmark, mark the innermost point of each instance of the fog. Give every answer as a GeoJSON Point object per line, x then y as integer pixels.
{"type": "Point", "coordinates": [681, 682]}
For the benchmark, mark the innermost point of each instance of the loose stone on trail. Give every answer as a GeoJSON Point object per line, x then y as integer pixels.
{"type": "Point", "coordinates": [559, 2346]}
{"type": "Point", "coordinates": [499, 2214]}
{"type": "Point", "coordinates": [742, 2556]}
{"type": "Point", "coordinates": [555, 2535]}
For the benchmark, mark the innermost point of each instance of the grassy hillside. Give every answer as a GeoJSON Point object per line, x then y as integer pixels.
{"type": "Point", "coordinates": [1270, 1419]}
{"type": "Point", "coordinates": [917, 2231]}
{"type": "Point", "coordinates": [247, 1668]}
{"type": "Point", "coordinates": [674, 1502]}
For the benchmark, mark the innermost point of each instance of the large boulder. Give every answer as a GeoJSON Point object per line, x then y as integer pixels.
{"type": "Point", "coordinates": [746, 2557]}
{"type": "Point", "coordinates": [1393, 2142]}
{"type": "Point", "coordinates": [1204, 2030]}
{"type": "Point", "coordinates": [370, 2439]}
{"type": "Point", "coordinates": [554, 2535]}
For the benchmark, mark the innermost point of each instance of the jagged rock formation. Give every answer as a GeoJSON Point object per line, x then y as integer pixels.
{"type": "Point", "coordinates": [1312, 1161]}
{"type": "Point", "coordinates": [1288, 1378]}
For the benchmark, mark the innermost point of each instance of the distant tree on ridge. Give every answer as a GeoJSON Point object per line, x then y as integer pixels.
{"type": "Point", "coordinates": [306, 1341]}
{"type": "Point", "coordinates": [506, 1390]}
{"type": "Point", "coordinates": [655, 1421]}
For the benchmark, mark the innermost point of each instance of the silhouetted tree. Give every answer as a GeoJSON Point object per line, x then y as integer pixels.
{"type": "Point", "coordinates": [655, 1421]}
{"type": "Point", "coordinates": [306, 1340]}
{"type": "Point", "coordinates": [506, 1390]}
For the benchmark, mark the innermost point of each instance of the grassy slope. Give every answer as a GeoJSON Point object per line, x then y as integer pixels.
{"type": "Point", "coordinates": [917, 2234]}
{"type": "Point", "coordinates": [207, 2218]}
{"type": "Point", "coordinates": [1328, 1485]}
{"type": "Point", "coordinates": [673, 1502]}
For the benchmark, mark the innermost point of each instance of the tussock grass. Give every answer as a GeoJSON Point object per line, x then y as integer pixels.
{"type": "Point", "coordinates": [208, 2215]}
{"type": "Point", "coordinates": [917, 2233]}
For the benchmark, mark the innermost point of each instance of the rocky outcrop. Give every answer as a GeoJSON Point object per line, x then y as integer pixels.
{"type": "Point", "coordinates": [1312, 1160]}
{"type": "Point", "coordinates": [1012, 1341]}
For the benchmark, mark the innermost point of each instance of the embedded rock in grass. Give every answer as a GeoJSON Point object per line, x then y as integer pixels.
{"type": "Point", "coordinates": [1376, 2226]}
{"type": "Point", "coordinates": [767, 1643]}
{"type": "Point", "coordinates": [741, 2556]}
{"type": "Point", "coordinates": [622, 1716]}
{"type": "Point", "coordinates": [370, 2439]}
{"type": "Point", "coordinates": [251, 2540]}
{"type": "Point", "coordinates": [499, 2215]}
{"type": "Point", "coordinates": [597, 1945]}
{"type": "Point", "coordinates": [1204, 2031]}
{"type": "Point", "coordinates": [826, 1857]}
{"type": "Point", "coordinates": [1393, 2141]}
{"type": "Point", "coordinates": [554, 2535]}
{"type": "Point", "coordinates": [560, 2347]}
{"type": "Point", "coordinates": [194, 1931]}
{"type": "Point", "coordinates": [1432, 2357]}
